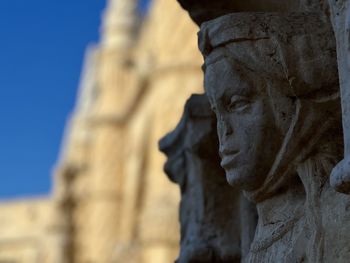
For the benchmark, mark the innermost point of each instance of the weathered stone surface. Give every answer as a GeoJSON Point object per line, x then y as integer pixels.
{"type": "Point", "coordinates": [276, 60]}
{"type": "Point", "coordinates": [272, 81]}
{"type": "Point", "coordinates": [210, 210]}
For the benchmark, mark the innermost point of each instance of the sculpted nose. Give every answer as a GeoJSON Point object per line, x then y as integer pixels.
{"type": "Point", "coordinates": [226, 127]}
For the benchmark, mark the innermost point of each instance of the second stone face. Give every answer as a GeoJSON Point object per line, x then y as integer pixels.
{"type": "Point", "coordinates": [210, 210]}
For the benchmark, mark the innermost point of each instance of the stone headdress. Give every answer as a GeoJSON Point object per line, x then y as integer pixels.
{"type": "Point", "coordinates": [294, 55]}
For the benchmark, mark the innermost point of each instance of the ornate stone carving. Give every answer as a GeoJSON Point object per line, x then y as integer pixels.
{"type": "Point", "coordinates": [272, 81]}
{"type": "Point", "coordinates": [210, 209]}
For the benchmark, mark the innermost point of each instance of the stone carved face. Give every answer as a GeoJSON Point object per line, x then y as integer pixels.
{"type": "Point", "coordinates": [206, 198]}
{"type": "Point", "coordinates": [249, 138]}
{"type": "Point", "coordinates": [262, 77]}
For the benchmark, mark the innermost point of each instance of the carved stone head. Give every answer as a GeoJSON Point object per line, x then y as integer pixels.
{"type": "Point", "coordinates": [207, 201]}
{"type": "Point", "coordinates": [272, 81]}
{"type": "Point", "coordinates": [194, 135]}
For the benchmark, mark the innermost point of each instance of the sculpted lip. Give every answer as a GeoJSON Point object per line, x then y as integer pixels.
{"type": "Point", "coordinates": [228, 157]}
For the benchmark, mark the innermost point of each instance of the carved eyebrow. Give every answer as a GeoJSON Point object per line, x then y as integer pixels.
{"type": "Point", "coordinates": [241, 83]}
{"type": "Point", "coordinates": [241, 89]}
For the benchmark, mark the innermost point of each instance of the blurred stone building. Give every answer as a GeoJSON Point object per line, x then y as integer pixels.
{"type": "Point", "coordinates": [110, 200]}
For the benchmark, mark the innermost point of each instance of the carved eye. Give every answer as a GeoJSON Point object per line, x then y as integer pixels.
{"type": "Point", "coordinates": [238, 103]}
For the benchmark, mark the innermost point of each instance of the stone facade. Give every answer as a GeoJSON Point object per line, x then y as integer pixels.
{"type": "Point", "coordinates": [111, 201]}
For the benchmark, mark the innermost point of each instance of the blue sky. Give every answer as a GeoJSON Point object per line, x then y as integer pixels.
{"type": "Point", "coordinates": [42, 44]}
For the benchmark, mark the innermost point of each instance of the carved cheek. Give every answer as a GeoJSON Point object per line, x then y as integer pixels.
{"type": "Point", "coordinates": [248, 127]}
{"type": "Point", "coordinates": [263, 126]}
